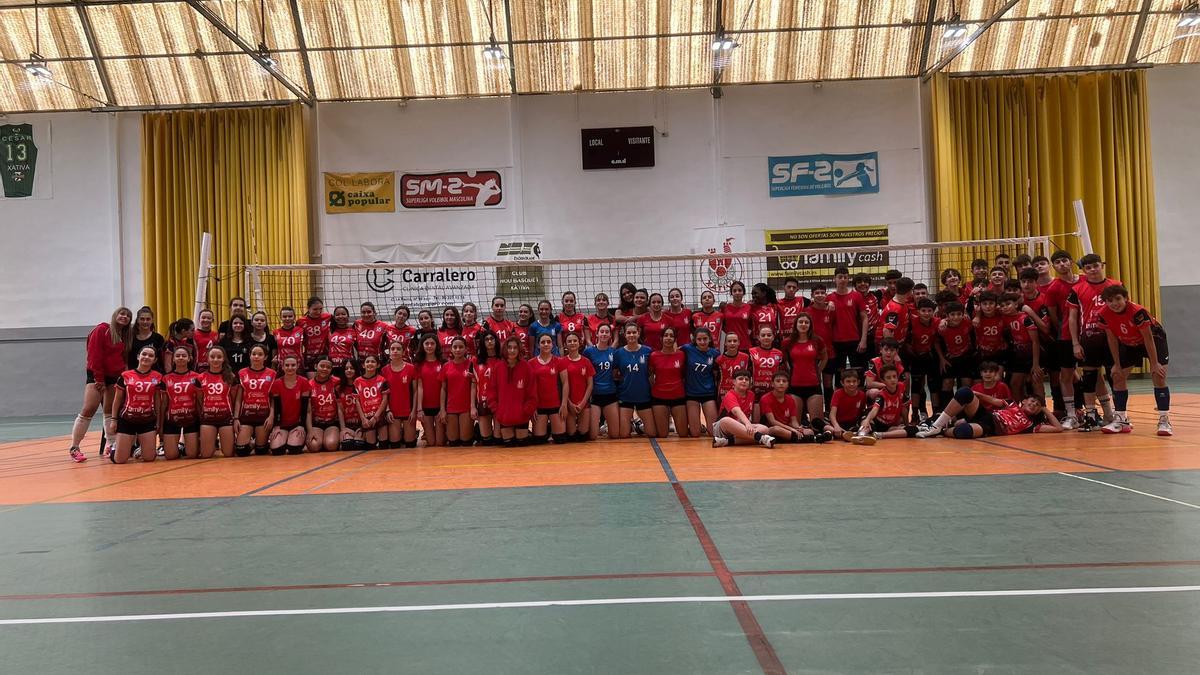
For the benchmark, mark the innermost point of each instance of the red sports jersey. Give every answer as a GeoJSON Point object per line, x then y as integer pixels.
{"type": "Point", "coordinates": [469, 334]}
{"type": "Point", "coordinates": [783, 410]}
{"type": "Point", "coordinates": [341, 345]}
{"type": "Point", "coordinates": [502, 329]}
{"type": "Point", "coordinates": [521, 332]}
{"type": "Point", "coordinates": [765, 363]}
{"type": "Point", "coordinates": [1057, 292]}
{"type": "Point", "coordinates": [513, 400]}
{"type": "Point", "coordinates": [1011, 420]}
{"type": "Point", "coordinates": [876, 364]}
{"type": "Point", "coordinates": [216, 398]}
{"type": "Point", "coordinates": [736, 320]}
{"type": "Point", "coordinates": [578, 374]}
{"type": "Point", "coordinates": [289, 401]}
{"type": "Point", "coordinates": [849, 408]}
{"type": "Point", "coordinates": [1000, 391]}
{"type": "Point", "coordinates": [484, 379]}
{"type": "Point", "coordinates": [763, 315]}
{"type": "Point", "coordinates": [290, 343]}
{"type": "Point", "coordinates": [667, 370]}
{"type": "Point", "coordinates": [847, 315]}
{"type": "Point", "coordinates": [871, 301]}
{"type": "Point", "coordinates": [895, 318]}
{"type": "Point", "coordinates": [652, 330]}
{"type": "Point", "coordinates": [921, 337]}
{"type": "Point", "coordinates": [712, 321]}
{"type": "Point", "coordinates": [681, 321]}
{"type": "Point", "coordinates": [546, 380]}
{"type": "Point", "coordinates": [1018, 330]}
{"type": "Point", "coordinates": [731, 400]}
{"type": "Point", "coordinates": [180, 389]}
{"type": "Point", "coordinates": [347, 398]}
{"type": "Point", "coordinates": [205, 340]}
{"type": "Point", "coordinates": [457, 379]}
{"type": "Point", "coordinates": [445, 338]}
{"type": "Point", "coordinates": [805, 358]}
{"type": "Point", "coordinates": [372, 392]}
{"type": "Point", "coordinates": [402, 334]}
{"type": "Point", "coordinates": [1127, 325]}
{"type": "Point", "coordinates": [140, 392]}
{"type": "Point", "coordinates": [788, 311]}
{"type": "Point", "coordinates": [316, 333]}
{"type": "Point", "coordinates": [728, 365]}
{"type": "Point", "coordinates": [429, 374]}
{"type": "Point", "coordinates": [325, 399]}
{"type": "Point", "coordinates": [956, 339]}
{"type": "Point", "coordinates": [822, 320]}
{"type": "Point", "coordinates": [892, 405]}
{"type": "Point", "coordinates": [989, 334]}
{"type": "Point", "coordinates": [368, 338]}
{"type": "Point", "coordinates": [256, 391]}
{"type": "Point", "coordinates": [594, 323]}
{"type": "Point", "coordinates": [400, 388]}
{"type": "Point", "coordinates": [572, 325]}
{"type": "Point", "coordinates": [1085, 297]}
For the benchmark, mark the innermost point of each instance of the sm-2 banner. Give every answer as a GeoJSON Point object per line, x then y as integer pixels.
{"type": "Point", "coordinates": [837, 247]}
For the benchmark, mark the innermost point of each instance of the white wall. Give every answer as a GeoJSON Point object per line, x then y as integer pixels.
{"type": "Point", "coordinates": [1174, 99]}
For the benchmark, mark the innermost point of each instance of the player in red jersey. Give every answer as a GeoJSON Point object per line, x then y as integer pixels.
{"type": "Point", "coordinates": [487, 358]}
{"type": "Point", "coordinates": [990, 340]}
{"type": "Point", "coordinates": [921, 356]}
{"type": "Point", "coordinates": [889, 355]}
{"type": "Point", "coordinates": [885, 294]}
{"type": "Point", "coordinates": [602, 317]}
{"type": "Point", "coordinates": [252, 406]}
{"type": "Point", "coordinates": [732, 360]}
{"type": "Point", "coordinates": [952, 283]}
{"type": "Point", "coordinates": [653, 323]}
{"type": "Point", "coordinates": [137, 407]}
{"type": "Point", "coordinates": [371, 388]}
{"type": "Point", "coordinates": [848, 406]}
{"type": "Point", "coordinates": [324, 415]}
{"type": "Point", "coordinates": [458, 410]}
{"type": "Point", "coordinates": [668, 401]}
{"type": "Point", "coordinates": [979, 276]}
{"type": "Point", "coordinates": [205, 336]}
{"type": "Point", "coordinates": [513, 395]}
{"type": "Point", "coordinates": [765, 359]}
{"type": "Point", "coordinates": [552, 388]}
{"type": "Point", "coordinates": [707, 317]}
{"type": "Point", "coordinates": [1062, 353]}
{"type": "Point", "coordinates": [862, 284]}
{"type": "Point", "coordinates": [401, 414]}
{"type": "Point", "coordinates": [450, 329]}
{"type": "Point", "coordinates": [289, 337]}
{"type": "Point", "coordinates": [400, 331]}
{"type": "Point", "coordinates": [807, 353]}
{"type": "Point", "coordinates": [764, 310]}
{"type": "Point", "coordinates": [428, 362]}
{"type": "Point", "coordinates": [1134, 336]}
{"type": "Point", "coordinates": [779, 412]}
{"type": "Point", "coordinates": [735, 315]}
{"type": "Point", "coordinates": [347, 397]}
{"type": "Point", "coordinates": [1025, 416]}
{"type": "Point", "coordinates": [1088, 340]}
{"type": "Point", "coordinates": [181, 412]}
{"type": "Point", "coordinates": [823, 315]}
{"type": "Point", "coordinates": [217, 385]}
{"type": "Point", "coordinates": [1041, 354]}
{"type": "Point", "coordinates": [179, 334]}
{"type": "Point", "coordinates": [425, 323]}
{"type": "Point", "coordinates": [1022, 326]}
{"type": "Point", "coordinates": [734, 423]}
{"type": "Point", "coordinates": [369, 332]}
{"type": "Point", "coordinates": [850, 322]}
{"type": "Point", "coordinates": [470, 325]}
{"type": "Point", "coordinates": [888, 416]}
{"type": "Point", "coordinates": [956, 350]}
{"type": "Point", "coordinates": [521, 328]}
{"type": "Point", "coordinates": [498, 321]}
{"type": "Point", "coordinates": [580, 376]}
{"type": "Point", "coordinates": [992, 392]}
{"type": "Point", "coordinates": [316, 324]}
{"type": "Point", "coordinates": [893, 321]}
{"type": "Point", "coordinates": [572, 321]}
{"type": "Point", "coordinates": [679, 317]}
{"type": "Point", "coordinates": [290, 394]}
{"type": "Point", "coordinates": [790, 306]}
{"type": "Point", "coordinates": [342, 336]}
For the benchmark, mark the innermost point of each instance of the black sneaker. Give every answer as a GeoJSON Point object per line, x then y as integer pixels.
{"type": "Point", "coordinates": [1090, 422]}
{"type": "Point", "coordinates": [824, 437]}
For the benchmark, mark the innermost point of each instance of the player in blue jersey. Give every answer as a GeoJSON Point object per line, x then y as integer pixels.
{"type": "Point", "coordinates": [604, 389]}
{"type": "Point", "coordinates": [631, 365]}
{"type": "Point", "coordinates": [700, 380]}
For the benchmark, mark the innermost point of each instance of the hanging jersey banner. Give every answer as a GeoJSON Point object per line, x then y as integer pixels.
{"type": "Point", "coordinates": [813, 267]}
{"type": "Point", "coordinates": [24, 160]}
{"type": "Point", "coordinates": [360, 192]}
{"type": "Point", "coordinates": [469, 189]}
{"type": "Point", "coordinates": [804, 175]}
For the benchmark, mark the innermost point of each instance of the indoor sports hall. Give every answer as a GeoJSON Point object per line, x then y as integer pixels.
{"type": "Point", "coordinates": [599, 336]}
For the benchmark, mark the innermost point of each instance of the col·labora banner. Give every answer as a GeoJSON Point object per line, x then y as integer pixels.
{"type": "Point", "coordinates": [470, 189]}
{"type": "Point", "coordinates": [842, 247]}
{"type": "Point", "coordinates": [360, 192]}
{"type": "Point", "coordinates": [803, 175]}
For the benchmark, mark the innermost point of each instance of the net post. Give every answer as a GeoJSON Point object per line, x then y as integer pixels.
{"type": "Point", "coordinates": [1085, 235]}
{"type": "Point", "coordinates": [255, 285]}
{"type": "Point", "coordinates": [202, 275]}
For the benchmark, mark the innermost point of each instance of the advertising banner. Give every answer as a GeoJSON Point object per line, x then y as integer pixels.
{"type": "Point", "coordinates": [25, 155]}
{"type": "Point", "coordinates": [360, 192]}
{"type": "Point", "coordinates": [805, 175]}
{"type": "Point", "coordinates": [468, 189]}
{"type": "Point", "coordinates": [841, 246]}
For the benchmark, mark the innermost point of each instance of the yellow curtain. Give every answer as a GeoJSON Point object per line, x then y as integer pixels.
{"type": "Point", "coordinates": [1066, 137]}
{"type": "Point", "coordinates": [239, 174]}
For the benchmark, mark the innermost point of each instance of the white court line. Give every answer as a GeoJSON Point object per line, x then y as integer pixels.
{"type": "Point", "coordinates": [1122, 487]}
{"type": "Point", "coordinates": [605, 601]}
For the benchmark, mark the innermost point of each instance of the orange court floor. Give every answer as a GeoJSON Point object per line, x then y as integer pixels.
{"type": "Point", "coordinates": [39, 471]}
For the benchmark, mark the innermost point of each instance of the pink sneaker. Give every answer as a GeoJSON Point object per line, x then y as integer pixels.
{"type": "Point", "coordinates": [77, 455]}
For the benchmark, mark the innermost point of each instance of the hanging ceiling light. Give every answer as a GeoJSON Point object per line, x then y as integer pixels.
{"type": "Point", "coordinates": [723, 42]}
{"type": "Point", "coordinates": [37, 67]}
{"type": "Point", "coordinates": [493, 52]}
{"type": "Point", "coordinates": [1191, 16]}
{"type": "Point", "coordinates": [955, 29]}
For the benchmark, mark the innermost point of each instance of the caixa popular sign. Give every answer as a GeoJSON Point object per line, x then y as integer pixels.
{"type": "Point", "coordinates": [471, 189]}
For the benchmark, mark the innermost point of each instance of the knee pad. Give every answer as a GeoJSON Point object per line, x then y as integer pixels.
{"type": "Point", "coordinates": [346, 445]}
{"type": "Point", "coordinates": [241, 450]}
{"type": "Point", "coordinates": [294, 449]}
{"type": "Point", "coordinates": [487, 440]}
{"type": "Point", "coordinates": [1088, 381]}
{"type": "Point", "coordinates": [964, 431]}
{"type": "Point", "coordinates": [278, 452]}
{"type": "Point", "coordinates": [964, 395]}
{"type": "Point", "coordinates": [911, 431]}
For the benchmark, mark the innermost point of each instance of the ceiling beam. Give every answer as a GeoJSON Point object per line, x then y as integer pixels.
{"type": "Point", "coordinates": [1136, 43]}
{"type": "Point", "coordinates": [512, 55]}
{"type": "Point", "coordinates": [302, 43]}
{"type": "Point", "coordinates": [250, 51]}
{"type": "Point", "coordinates": [929, 17]}
{"type": "Point", "coordinates": [945, 61]}
{"type": "Point", "coordinates": [90, 35]}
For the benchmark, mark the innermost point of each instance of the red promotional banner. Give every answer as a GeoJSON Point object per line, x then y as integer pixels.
{"type": "Point", "coordinates": [452, 189]}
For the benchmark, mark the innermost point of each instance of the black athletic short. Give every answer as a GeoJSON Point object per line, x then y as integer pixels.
{"type": "Point", "coordinates": [880, 427]}
{"type": "Point", "coordinates": [1096, 353]}
{"type": "Point", "coordinates": [1134, 356]}
{"type": "Point", "coordinates": [847, 353]}
{"type": "Point", "coordinates": [923, 364]}
{"type": "Point", "coordinates": [430, 412]}
{"type": "Point", "coordinates": [603, 400]}
{"type": "Point", "coordinates": [172, 429]}
{"type": "Point", "coordinates": [804, 392]}
{"type": "Point", "coordinates": [109, 380]}
{"type": "Point", "coordinates": [548, 411]}
{"type": "Point", "coordinates": [224, 421]}
{"type": "Point", "coordinates": [962, 367]}
{"type": "Point", "coordinates": [1064, 355]}
{"type": "Point", "coordinates": [332, 424]}
{"type": "Point", "coordinates": [668, 402]}
{"type": "Point", "coordinates": [1020, 361]}
{"type": "Point", "coordinates": [984, 418]}
{"type": "Point", "coordinates": [125, 426]}
{"type": "Point", "coordinates": [634, 405]}
{"type": "Point", "coordinates": [703, 398]}
{"type": "Point", "coordinates": [253, 420]}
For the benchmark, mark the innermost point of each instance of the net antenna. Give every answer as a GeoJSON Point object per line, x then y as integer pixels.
{"type": "Point", "coordinates": [202, 276]}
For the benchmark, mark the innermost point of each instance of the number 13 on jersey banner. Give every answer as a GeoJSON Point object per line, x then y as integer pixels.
{"type": "Point", "coordinates": [25, 160]}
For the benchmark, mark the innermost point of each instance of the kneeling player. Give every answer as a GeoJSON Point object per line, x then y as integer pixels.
{"type": "Point", "coordinates": [889, 414]}
{"type": "Point", "coordinates": [1025, 416]}
{"type": "Point", "coordinates": [734, 423]}
{"type": "Point", "coordinates": [1133, 336]}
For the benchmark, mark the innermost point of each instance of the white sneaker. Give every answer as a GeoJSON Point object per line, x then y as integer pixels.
{"type": "Point", "coordinates": [1119, 425]}
{"type": "Point", "coordinates": [1164, 426]}
{"type": "Point", "coordinates": [929, 432]}
{"type": "Point", "coordinates": [720, 441]}
{"type": "Point", "coordinates": [1070, 423]}
{"type": "Point", "coordinates": [864, 439]}
{"type": "Point", "coordinates": [767, 441]}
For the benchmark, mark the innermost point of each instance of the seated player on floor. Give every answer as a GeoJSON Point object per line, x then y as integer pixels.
{"type": "Point", "coordinates": [734, 423]}
{"type": "Point", "coordinates": [1022, 417]}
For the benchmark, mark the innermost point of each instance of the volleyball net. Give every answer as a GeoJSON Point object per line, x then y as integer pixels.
{"type": "Point", "coordinates": [436, 285]}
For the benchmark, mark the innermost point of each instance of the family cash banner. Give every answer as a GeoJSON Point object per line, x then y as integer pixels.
{"type": "Point", "coordinates": [25, 160]}
{"type": "Point", "coordinates": [813, 254]}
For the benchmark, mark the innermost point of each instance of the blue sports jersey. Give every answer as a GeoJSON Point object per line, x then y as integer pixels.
{"type": "Point", "coordinates": [698, 374]}
{"type": "Point", "coordinates": [635, 374]}
{"type": "Point", "coordinates": [537, 330]}
{"type": "Point", "coordinates": [602, 361]}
